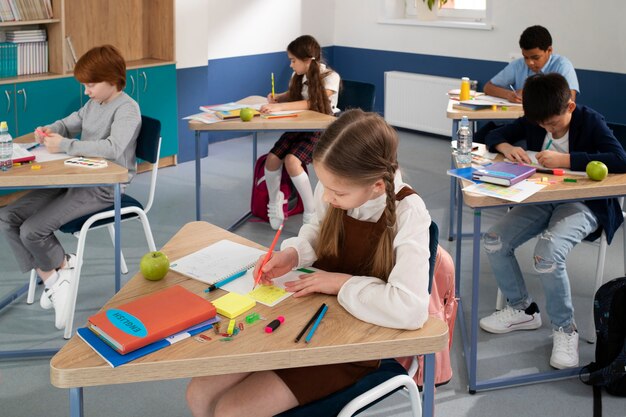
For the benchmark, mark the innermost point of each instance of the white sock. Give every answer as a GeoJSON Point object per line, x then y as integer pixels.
{"type": "Point", "coordinates": [303, 185]}
{"type": "Point", "coordinates": [272, 179]}
{"type": "Point", "coordinates": [51, 280]}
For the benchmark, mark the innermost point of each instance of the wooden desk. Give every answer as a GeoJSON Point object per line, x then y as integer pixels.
{"type": "Point", "coordinates": [54, 174]}
{"type": "Point", "coordinates": [584, 189]}
{"type": "Point", "coordinates": [306, 121]}
{"type": "Point", "coordinates": [340, 337]}
{"type": "Point", "coordinates": [511, 113]}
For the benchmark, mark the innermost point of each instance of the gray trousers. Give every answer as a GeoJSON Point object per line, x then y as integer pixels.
{"type": "Point", "coordinates": [30, 222]}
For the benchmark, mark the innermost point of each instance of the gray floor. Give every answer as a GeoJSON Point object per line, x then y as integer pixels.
{"type": "Point", "coordinates": [25, 389]}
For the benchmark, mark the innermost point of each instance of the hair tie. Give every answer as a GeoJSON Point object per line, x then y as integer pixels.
{"type": "Point", "coordinates": [312, 58]}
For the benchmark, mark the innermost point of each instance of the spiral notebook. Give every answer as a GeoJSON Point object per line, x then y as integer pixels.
{"type": "Point", "coordinates": [217, 261]}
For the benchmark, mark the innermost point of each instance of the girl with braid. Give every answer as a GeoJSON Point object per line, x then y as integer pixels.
{"type": "Point", "coordinates": [313, 86]}
{"type": "Point", "coordinates": [373, 242]}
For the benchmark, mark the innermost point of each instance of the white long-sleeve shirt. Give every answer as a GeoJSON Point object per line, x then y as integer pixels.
{"type": "Point", "coordinates": [402, 301]}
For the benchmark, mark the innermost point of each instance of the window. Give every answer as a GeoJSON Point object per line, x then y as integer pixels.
{"type": "Point", "coordinates": [475, 10]}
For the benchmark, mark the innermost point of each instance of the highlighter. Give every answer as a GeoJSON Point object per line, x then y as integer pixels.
{"type": "Point", "coordinates": [273, 325]}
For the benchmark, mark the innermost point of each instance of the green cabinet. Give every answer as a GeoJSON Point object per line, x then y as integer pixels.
{"type": "Point", "coordinates": [154, 88]}
{"type": "Point", "coordinates": [26, 105]}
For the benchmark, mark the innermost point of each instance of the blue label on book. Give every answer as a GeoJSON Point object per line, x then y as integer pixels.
{"type": "Point", "coordinates": [127, 323]}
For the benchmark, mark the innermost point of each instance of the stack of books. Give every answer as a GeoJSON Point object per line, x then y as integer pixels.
{"type": "Point", "coordinates": [31, 56]}
{"type": "Point", "coordinates": [24, 10]}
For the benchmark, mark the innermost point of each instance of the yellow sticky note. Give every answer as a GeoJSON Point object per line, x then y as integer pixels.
{"type": "Point", "coordinates": [267, 294]}
{"type": "Point", "coordinates": [232, 304]}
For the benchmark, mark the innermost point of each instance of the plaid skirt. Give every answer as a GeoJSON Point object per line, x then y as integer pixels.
{"type": "Point", "coordinates": [299, 144]}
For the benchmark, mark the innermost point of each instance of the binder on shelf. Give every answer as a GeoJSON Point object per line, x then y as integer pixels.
{"type": "Point", "coordinates": [503, 173]}
{"type": "Point", "coordinates": [150, 318]}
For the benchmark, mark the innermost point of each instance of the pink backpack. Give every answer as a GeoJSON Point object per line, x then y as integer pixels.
{"type": "Point", "coordinates": [443, 305]}
{"type": "Point", "coordinates": [259, 199]}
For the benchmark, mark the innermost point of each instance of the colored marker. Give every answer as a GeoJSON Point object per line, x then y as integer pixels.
{"type": "Point", "coordinates": [317, 313]}
{"type": "Point", "coordinates": [306, 271]}
{"type": "Point", "coordinates": [272, 85]}
{"type": "Point", "coordinates": [549, 144]}
{"type": "Point", "coordinates": [36, 145]}
{"type": "Point", "coordinates": [317, 322]}
{"type": "Point", "coordinates": [267, 256]}
{"type": "Point", "coordinates": [553, 171]}
{"type": "Point", "coordinates": [41, 132]}
{"type": "Point", "coordinates": [273, 325]}
{"type": "Point", "coordinates": [225, 281]}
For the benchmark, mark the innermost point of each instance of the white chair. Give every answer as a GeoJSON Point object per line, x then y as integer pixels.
{"type": "Point", "coordinates": [148, 148]}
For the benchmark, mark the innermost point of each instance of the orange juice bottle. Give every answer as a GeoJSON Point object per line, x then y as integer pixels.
{"type": "Point", "coordinates": [465, 89]}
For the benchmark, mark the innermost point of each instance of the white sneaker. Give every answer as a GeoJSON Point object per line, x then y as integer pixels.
{"type": "Point", "coordinates": [307, 218]}
{"type": "Point", "coordinates": [275, 211]}
{"type": "Point", "coordinates": [564, 349]}
{"type": "Point", "coordinates": [510, 319]}
{"type": "Point", "coordinates": [70, 263]}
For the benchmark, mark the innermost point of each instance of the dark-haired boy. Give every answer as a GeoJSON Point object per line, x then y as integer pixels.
{"type": "Point", "coordinates": [566, 136]}
{"type": "Point", "coordinates": [536, 45]}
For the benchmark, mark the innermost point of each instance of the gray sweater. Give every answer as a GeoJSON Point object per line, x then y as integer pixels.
{"type": "Point", "coordinates": [106, 130]}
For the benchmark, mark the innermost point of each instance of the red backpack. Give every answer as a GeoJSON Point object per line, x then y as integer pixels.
{"type": "Point", "coordinates": [260, 198]}
{"type": "Point", "coordinates": [443, 305]}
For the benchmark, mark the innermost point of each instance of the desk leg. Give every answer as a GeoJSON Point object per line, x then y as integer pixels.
{"type": "Point", "coordinates": [455, 126]}
{"type": "Point", "coordinates": [459, 226]}
{"type": "Point", "coordinates": [76, 402]}
{"type": "Point", "coordinates": [117, 203]}
{"type": "Point", "coordinates": [474, 315]}
{"type": "Point", "coordinates": [198, 179]}
{"type": "Point", "coordinates": [428, 409]}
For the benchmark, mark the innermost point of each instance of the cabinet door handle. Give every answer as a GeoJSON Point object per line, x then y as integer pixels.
{"type": "Point", "coordinates": [6, 92]}
{"type": "Point", "coordinates": [145, 80]}
{"type": "Point", "coordinates": [132, 82]}
{"type": "Point", "coordinates": [23, 91]}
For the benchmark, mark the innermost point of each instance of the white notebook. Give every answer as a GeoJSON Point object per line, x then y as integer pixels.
{"type": "Point", "coordinates": [217, 261]}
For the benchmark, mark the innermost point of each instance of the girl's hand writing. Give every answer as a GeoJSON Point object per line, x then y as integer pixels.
{"type": "Point", "coordinates": [53, 142]}
{"type": "Point", "coordinates": [271, 107]}
{"type": "Point", "coordinates": [552, 159]}
{"type": "Point", "coordinates": [271, 99]}
{"type": "Point", "coordinates": [322, 282]}
{"type": "Point", "coordinates": [513, 153]}
{"type": "Point", "coordinates": [278, 265]}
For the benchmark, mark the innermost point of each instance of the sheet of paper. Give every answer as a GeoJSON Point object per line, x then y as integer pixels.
{"type": "Point", "coordinates": [517, 192]}
{"type": "Point", "coordinates": [42, 155]}
{"type": "Point", "coordinates": [486, 100]}
{"type": "Point", "coordinates": [204, 117]}
{"type": "Point", "coordinates": [533, 157]}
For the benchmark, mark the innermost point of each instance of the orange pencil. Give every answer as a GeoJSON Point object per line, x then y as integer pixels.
{"type": "Point", "coordinates": [267, 256]}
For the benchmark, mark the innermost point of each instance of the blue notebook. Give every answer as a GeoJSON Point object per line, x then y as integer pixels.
{"type": "Point", "coordinates": [113, 358]}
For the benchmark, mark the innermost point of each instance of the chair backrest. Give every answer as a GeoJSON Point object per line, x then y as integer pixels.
{"type": "Point", "coordinates": [149, 149]}
{"type": "Point", "coordinates": [356, 94]}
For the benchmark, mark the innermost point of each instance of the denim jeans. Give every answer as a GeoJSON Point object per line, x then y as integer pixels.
{"type": "Point", "coordinates": [560, 227]}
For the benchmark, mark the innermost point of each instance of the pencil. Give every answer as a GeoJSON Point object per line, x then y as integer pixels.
{"type": "Point", "coordinates": [272, 85]}
{"type": "Point", "coordinates": [267, 256]}
{"type": "Point", "coordinates": [317, 322]}
{"type": "Point", "coordinates": [317, 313]}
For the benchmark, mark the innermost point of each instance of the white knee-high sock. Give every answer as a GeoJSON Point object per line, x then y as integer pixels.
{"type": "Point", "coordinates": [303, 185]}
{"type": "Point", "coordinates": [272, 179]}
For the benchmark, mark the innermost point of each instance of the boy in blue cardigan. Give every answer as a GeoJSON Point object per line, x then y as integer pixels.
{"type": "Point", "coordinates": [566, 136]}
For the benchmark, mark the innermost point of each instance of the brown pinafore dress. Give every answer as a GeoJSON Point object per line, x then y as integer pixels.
{"type": "Point", "coordinates": [311, 383]}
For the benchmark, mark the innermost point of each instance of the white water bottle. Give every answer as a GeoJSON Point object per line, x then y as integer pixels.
{"type": "Point", "coordinates": [464, 142]}
{"type": "Point", "coordinates": [6, 147]}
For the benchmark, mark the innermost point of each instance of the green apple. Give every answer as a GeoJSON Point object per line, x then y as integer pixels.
{"type": "Point", "coordinates": [596, 170]}
{"type": "Point", "coordinates": [154, 265]}
{"type": "Point", "coordinates": [246, 114]}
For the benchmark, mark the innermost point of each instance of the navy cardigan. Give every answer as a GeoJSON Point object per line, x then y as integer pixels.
{"type": "Point", "coordinates": [590, 139]}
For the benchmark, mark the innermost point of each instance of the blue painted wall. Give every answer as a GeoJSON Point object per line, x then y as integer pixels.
{"type": "Point", "coordinates": [230, 79]}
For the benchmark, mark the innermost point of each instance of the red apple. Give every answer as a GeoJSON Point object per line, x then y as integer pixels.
{"type": "Point", "coordinates": [154, 265]}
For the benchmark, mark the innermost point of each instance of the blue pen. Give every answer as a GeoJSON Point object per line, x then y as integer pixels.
{"type": "Point", "coordinates": [317, 322]}
{"type": "Point", "coordinates": [225, 281]}
{"type": "Point", "coordinates": [36, 145]}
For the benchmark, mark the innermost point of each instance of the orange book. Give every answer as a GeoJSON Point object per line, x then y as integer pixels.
{"type": "Point", "coordinates": [150, 318]}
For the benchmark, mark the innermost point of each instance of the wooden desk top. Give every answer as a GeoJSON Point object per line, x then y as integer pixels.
{"type": "Point", "coordinates": [306, 120]}
{"type": "Point", "coordinates": [611, 186]}
{"type": "Point", "coordinates": [339, 338]}
{"type": "Point", "coordinates": [510, 113]}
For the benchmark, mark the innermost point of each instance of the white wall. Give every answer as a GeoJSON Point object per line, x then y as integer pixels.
{"type": "Point", "coordinates": [590, 33]}
{"type": "Point", "coordinates": [212, 29]}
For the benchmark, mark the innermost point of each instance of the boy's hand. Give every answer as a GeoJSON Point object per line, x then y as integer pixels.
{"type": "Point", "coordinates": [513, 153]}
{"type": "Point", "coordinates": [322, 282]}
{"type": "Point", "coordinates": [53, 142]}
{"type": "Point", "coordinates": [552, 159]}
{"type": "Point", "coordinates": [41, 133]}
{"type": "Point", "coordinates": [514, 96]}
{"type": "Point", "coordinates": [278, 265]}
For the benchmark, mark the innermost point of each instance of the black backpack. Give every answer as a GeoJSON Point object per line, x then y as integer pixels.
{"type": "Point", "coordinates": [609, 369]}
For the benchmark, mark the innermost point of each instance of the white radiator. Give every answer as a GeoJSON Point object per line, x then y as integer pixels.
{"type": "Point", "coordinates": [418, 102]}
